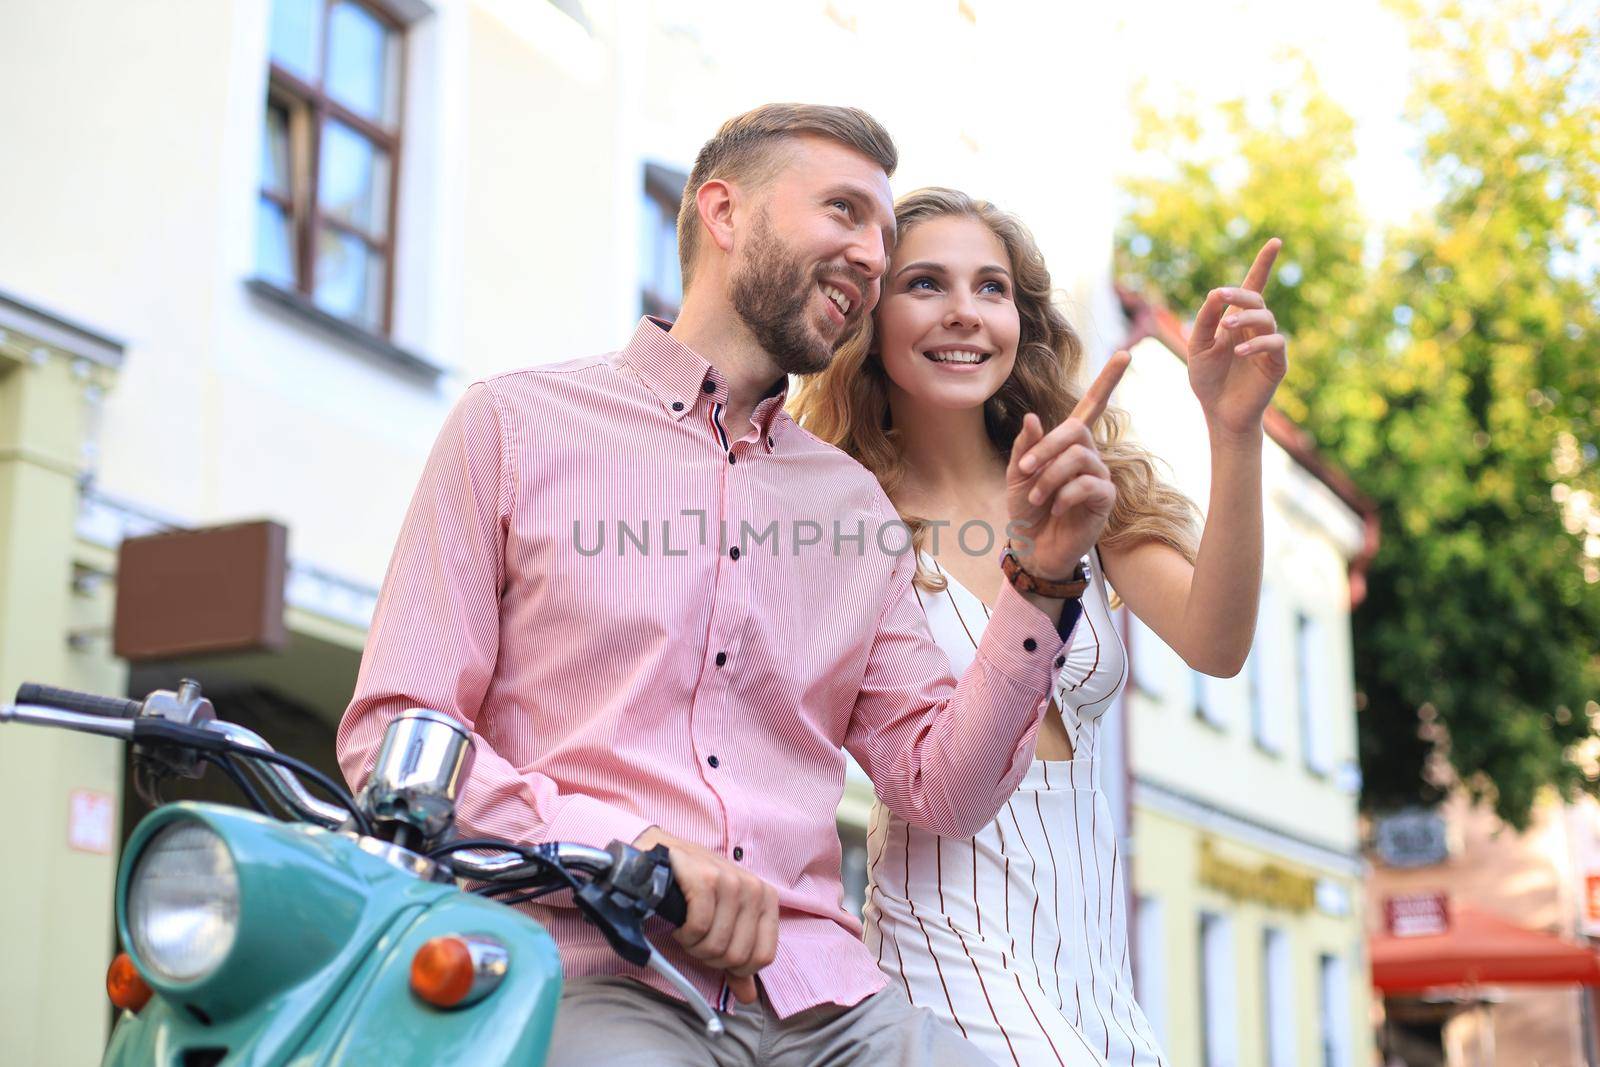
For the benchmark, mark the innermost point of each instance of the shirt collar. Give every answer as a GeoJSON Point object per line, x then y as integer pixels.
{"type": "Point", "coordinates": [679, 377]}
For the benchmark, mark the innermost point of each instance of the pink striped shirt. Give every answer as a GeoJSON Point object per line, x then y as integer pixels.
{"type": "Point", "coordinates": [649, 618]}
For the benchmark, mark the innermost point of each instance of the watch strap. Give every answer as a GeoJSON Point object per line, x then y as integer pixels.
{"type": "Point", "coordinates": [1024, 582]}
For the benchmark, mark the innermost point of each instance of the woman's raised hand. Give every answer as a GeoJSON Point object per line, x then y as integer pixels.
{"type": "Point", "coordinates": [1237, 357]}
{"type": "Point", "coordinates": [1058, 490]}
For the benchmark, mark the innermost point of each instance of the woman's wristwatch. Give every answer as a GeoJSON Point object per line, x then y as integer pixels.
{"type": "Point", "coordinates": [1023, 582]}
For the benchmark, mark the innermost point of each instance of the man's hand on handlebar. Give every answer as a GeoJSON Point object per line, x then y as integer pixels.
{"type": "Point", "coordinates": [732, 924]}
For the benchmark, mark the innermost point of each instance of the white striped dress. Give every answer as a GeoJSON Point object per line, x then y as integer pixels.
{"type": "Point", "coordinates": [1019, 936]}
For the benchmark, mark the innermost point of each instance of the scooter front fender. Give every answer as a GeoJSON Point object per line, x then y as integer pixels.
{"type": "Point", "coordinates": [385, 1023]}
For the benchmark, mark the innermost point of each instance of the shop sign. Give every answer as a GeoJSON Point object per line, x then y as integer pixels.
{"type": "Point", "coordinates": [89, 821]}
{"type": "Point", "coordinates": [1416, 914]}
{"type": "Point", "coordinates": [1269, 884]}
{"type": "Point", "coordinates": [1413, 838]}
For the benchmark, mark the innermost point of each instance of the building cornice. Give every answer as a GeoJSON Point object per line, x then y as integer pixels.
{"type": "Point", "coordinates": [1245, 829]}
{"type": "Point", "coordinates": [41, 327]}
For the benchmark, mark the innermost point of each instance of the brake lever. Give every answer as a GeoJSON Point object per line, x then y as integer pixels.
{"type": "Point", "coordinates": [658, 963]}
{"type": "Point", "coordinates": [619, 901]}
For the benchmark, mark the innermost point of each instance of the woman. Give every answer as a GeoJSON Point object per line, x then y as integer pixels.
{"type": "Point", "coordinates": [1018, 936]}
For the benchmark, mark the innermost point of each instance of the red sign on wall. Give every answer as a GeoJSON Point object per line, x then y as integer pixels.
{"type": "Point", "coordinates": [1416, 914]}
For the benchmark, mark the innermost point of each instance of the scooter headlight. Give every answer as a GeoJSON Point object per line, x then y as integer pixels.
{"type": "Point", "coordinates": [183, 902]}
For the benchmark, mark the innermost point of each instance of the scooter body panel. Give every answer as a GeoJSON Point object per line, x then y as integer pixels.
{"type": "Point", "coordinates": [319, 969]}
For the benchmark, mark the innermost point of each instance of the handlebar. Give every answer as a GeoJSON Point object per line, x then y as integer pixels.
{"type": "Point", "coordinates": [624, 886]}
{"type": "Point", "coordinates": [49, 696]}
{"type": "Point", "coordinates": [475, 860]}
{"type": "Point", "coordinates": [45, 705]}
{"type": "Point", "coordinates": [280, 781]}
{"type": "Point", "coordinates": [673, 907]}
{"type": "Point", "coordinates": [45, 715]}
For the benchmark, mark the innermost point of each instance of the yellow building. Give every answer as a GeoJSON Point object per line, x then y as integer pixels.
{"type": "Point", "coordinates": [58, 871]}
{"type": "Point", "coordinates": [1241, 792]}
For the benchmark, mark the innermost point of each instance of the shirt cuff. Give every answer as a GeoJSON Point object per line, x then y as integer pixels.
{"type": "Point", "coordinates": [1023, 642]}
{"type": "Point", "coordinates": [586, 821]}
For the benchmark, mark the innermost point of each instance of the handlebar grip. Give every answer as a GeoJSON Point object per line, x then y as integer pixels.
{"type": "Point", "coordinates": [673, 907]}
{"type": "Point", "coordinates": [71, 700]}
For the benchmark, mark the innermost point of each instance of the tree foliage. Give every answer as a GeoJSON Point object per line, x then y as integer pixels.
{"type": "Point", "coordinates": [1450, 366]}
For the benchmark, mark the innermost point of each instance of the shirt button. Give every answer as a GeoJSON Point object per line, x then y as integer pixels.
{"type": "Point", "coordinates": [709, 386]}
{"type": "Point", "coordinates": [1030, 644]}
{"type": "Point", "coordinates": [677, 405]}
{"type": "Point", "coordinates": [733, 553]}
{"type": "Point", "coordinates": [732, 459]}
{"type": "Point", "coordinates": [738, 853]}
{"type": "Point", "coordinates": [714, 762]}
{"type": "Point", "coordinates": [722, 657]}
{"type": "Point", "coordinates": [1061, 661]}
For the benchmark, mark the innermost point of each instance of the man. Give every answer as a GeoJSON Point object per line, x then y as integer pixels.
{"type": "Point", "coordinates": [664, 609]}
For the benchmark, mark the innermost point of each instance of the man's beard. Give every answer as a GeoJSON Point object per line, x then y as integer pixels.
{"type": "Point", "coordinates": [771, 293]}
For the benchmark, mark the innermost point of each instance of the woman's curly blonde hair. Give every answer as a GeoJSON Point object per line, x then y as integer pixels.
{"type": "Point", "coordinates": [847, 405]}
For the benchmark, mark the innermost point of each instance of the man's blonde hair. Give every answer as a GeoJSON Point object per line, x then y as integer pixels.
{"type": "Point", "coordinates": [745, 149]}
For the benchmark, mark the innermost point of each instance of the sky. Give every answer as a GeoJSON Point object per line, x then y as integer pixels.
{"type": "Point", "coordinates": [1030, 69]}
{"type": "Point", "coordinates": [1226, 48]}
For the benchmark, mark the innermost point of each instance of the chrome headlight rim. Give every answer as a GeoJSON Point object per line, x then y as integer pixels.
{"type": "Point", "coordinates": [200, 877]}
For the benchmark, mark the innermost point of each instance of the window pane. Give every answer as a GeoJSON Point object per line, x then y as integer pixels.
{"type": "Point", "coordinates": [1277, 974]}
{"type": "Point", "coordinates": [296, 35]}
{"type": "Point", "coordinates": [274, 244]}
{"type": "Point", "coordinates": [1272, 665]}
{"type": "Point", "coordinates": [1157, 669]}
{"type": "Point", "coordinates": [659, 279]}
{"type": "Point", "coordinates": [1218, 989]}
{"type": "Point", "coordinates": [667, 248]}
{"type": "Point", "coordinates": [275, 151]}
{"type": "Point", "coordinates": [361, 67]}
{"type": "Point", "coordinates": [1335, 1011]}
{"type": "Point", "coordinates": [353, 185]}
{"type": "Point", "coordinates": [1150, 975]}
{"type": "Point", "coordinates": [1313, 676]}
{"type": "Point", "coordinates": [350, 279]}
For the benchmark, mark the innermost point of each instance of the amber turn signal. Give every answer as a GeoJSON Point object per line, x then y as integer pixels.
{"type": "Point", "coordinates": [125, 985]}
{"type": "Point", "coordinates": [442, 972]}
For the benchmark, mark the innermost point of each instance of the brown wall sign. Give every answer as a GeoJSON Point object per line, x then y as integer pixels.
{"type": "Point", "coordinates": [187, 592]}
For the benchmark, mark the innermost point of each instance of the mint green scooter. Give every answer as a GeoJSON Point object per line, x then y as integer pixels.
{"type": "Point", "coordinates": [334, 931]}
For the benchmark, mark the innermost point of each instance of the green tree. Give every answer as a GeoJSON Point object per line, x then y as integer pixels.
{"type": "Point", "coordinates": [1233, 177]}
{"type": "Point", "coordinates": [1454, 375]}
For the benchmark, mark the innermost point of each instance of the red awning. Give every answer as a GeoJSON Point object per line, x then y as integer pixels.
{"type": "Point", "coordinates": [1480, 948]}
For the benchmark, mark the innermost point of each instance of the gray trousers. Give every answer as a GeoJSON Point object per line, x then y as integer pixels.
{"type": "Point", "coordinates": [617, 1022]}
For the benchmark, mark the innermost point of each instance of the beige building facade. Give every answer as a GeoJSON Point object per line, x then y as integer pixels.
{"type": "Point", "coordinates": [1247, 874]}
